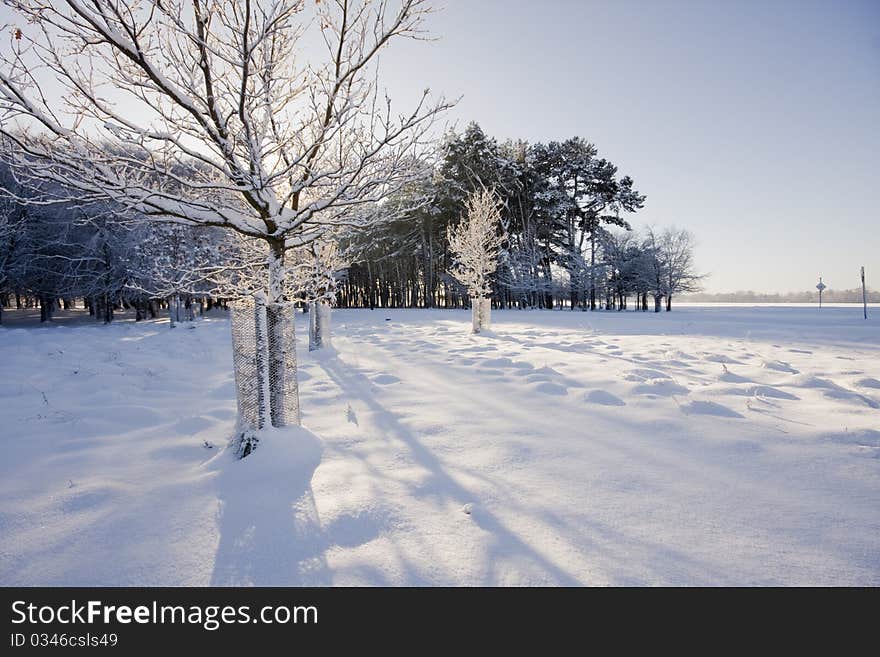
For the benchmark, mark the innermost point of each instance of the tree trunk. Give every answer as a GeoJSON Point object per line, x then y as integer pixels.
{"type": "Point", "coordinates": [319, 324]}
{"type": "Point", "coordinates": [657, 303]}
{"type": "Point", "coordinates": [370, 287]}
{"type": "Point", "coordinates": [281, 351]}
{"type": "Point", "coordinates": [108, 310]}
{"type": "Point", "coordinates": [481, 314]}
{"type": "Point", "coordinates": [593, 269]}
{"type": "Point", "coordinates": [174, 310]}
{"type": "Point", "coordinates": [668, 303]}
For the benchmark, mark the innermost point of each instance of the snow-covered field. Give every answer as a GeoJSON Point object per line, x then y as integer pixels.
{"type": "Point", "coordinates": [705, 446]}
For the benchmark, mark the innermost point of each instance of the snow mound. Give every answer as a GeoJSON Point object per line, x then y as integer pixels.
{"type": "Point", "coordinates": [662, 387]}
{"type": "Point", "coordinates": [810, 381]}
{"type": "Point", "coordinates": [779, 366]}
{"type": "Point", "coordinates": [281, 452]}
{"type": "Point", "coordinates": [604, 398]}
{"type": "Point", "coordinates": [708, 408]}
{"type": "Point", "coordinates": [730, 377]}
{"type": "Point", "coordinates": [846, 395]}
{"type": "Point", "coordinates": [642, 374]}
{"type": "Point", "coordinates": [549, 388]}
{"type": "Point", "coordinates": [769, 391]}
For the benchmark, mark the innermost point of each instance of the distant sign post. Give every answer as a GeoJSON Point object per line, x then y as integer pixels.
{"type": "Point", "coordinates": [821, 286]}
{"type": "Point", "coordinates": [864, 295]}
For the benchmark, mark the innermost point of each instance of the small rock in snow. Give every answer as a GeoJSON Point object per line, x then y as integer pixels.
{"type": "Point", "coordinates": [468, 508]}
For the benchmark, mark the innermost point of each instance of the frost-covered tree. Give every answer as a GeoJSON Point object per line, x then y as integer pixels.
{"type": "Point", "coordinates": [653, 267]}
{"type": "Point", "coordinates": [665, 265]}
{"type": "Point", "coordinates": [474, 243]}
{"type": "Point", "coordinates": [263, 117]}
{"type": "Point", "coordinates": [316, 276]}
{"type": "Point", "coordinates": [181, 264]}
{"type": "Point", "coordinates": [680, 276]}
{"type": "Point", "coordinates": [12, 218]}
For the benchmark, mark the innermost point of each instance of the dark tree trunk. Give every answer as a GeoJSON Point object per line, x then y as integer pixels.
{"type": "Point", "coordinates": [108, 309]}
{"type": "Point", "coordinates": [45, 309]}
{"type": "Point", "coordinates": [593, 269]}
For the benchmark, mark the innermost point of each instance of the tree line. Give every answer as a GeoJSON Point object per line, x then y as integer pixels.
{"type": "Point", "coordinates": [564, 241]}
{"type": "Point", "coordinates": [567, 240]}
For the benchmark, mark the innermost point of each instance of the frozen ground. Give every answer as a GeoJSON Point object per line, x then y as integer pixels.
{"type": "Point", "coordinates": [705, 446]}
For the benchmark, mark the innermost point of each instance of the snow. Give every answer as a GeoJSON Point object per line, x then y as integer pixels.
{"type": "Point", "coordinates": [707, 446]}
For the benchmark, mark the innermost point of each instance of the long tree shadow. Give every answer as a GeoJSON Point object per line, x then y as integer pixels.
{"type": "Point", "coordinates": [506, 543]}
{"type": "Point", "coordinates": [270, 534]}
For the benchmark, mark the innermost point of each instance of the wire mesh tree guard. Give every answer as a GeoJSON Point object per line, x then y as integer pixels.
{"type": "Point", "coordinates": [264, 360]}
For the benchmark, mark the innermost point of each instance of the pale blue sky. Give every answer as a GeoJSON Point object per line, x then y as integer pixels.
{"type": "Point", "coordinates": [754, 124]}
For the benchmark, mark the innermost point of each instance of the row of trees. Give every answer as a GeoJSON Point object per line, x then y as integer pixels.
{"type": "Point", "coordinates": [52, 254]}
{"type": "Point", "coordinates": [57, 251]}
{"type": "Point", "coordinates": [563, 215]}
{"type": "Point", "coordinates": [559, 238]}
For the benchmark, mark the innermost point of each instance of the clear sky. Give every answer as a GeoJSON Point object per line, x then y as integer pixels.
{"type": "Point", "coordinates": [756, 124]}
{"type": "Point", "coordinates": [753, 123]}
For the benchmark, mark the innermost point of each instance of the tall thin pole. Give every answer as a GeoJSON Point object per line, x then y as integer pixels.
{"type": "Point", "coordinates": [864, 295]}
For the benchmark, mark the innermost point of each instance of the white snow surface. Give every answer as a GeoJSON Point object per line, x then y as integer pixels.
{"type": "Point", "coordinates": [707, 446]}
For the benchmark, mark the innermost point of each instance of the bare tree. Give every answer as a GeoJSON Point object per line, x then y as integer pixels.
{"type": "Point", "coordinates": [677, 253]}
{"type": "Point", "coordinates": [217, 113]}
{"type": "Point", "coordinates": [475, 241]}
{"type": "Point", "coordinates": [316, 284]}
{"type": "Point", "coordinates": [652, 268]}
